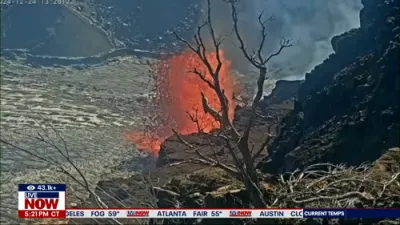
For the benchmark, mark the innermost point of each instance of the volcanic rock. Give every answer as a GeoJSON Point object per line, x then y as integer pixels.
{"type": "Point", "coordinates": [283, 90]}
{"type": "Point", "coordinates": [389, 162]}
{"type": "Point", "coordinates": [347, 108]}
{"type": "Point", "coordinates": [59, 31]}
{"type": "Point", "coordinates": [131, 22]}
{"type": "Point", "coordinates": [174, 151]}
{"type": "Point", "coordinates": [215, 188]}
{"type": "Point", "coordinates": [87, 27]}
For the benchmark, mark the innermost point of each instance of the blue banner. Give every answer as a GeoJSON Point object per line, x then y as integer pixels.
{"type": "Point", "coordinates": [42, 187]}
{"type": "Point", "coordinates": [351, 213]}
{"type": "Point", "coordinates": [42, 194]}
{"type": "Point", "coordinates": [373, 213]}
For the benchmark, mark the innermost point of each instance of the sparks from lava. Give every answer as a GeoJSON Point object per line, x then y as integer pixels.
{"type": "Point", "coordinates": [177, 100]}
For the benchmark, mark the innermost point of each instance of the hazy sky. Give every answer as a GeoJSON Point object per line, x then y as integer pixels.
{"type": "Point", "coordinates": [310, 23]}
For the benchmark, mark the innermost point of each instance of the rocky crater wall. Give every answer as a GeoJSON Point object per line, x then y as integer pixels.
{"type": "Point", "coordinates": [78, 62]}
{"type": "Point", "coordinates": [347, 108]}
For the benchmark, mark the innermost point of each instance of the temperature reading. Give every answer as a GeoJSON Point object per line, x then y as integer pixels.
{"type": "Point", "coordinates": [216, 213]}
{"type": "Point", "coordinates": [113, 213]}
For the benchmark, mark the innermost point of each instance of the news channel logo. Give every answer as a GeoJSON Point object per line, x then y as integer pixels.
{"type": "Point", "coordinates": [41, 200]}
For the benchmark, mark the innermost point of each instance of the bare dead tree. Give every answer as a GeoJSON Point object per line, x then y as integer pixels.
{"type": "Point", "coordinates": [237, 143]}
{"type": "Point", "coordinates": [258, 60]}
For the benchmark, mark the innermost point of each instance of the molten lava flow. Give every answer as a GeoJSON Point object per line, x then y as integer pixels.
{"type": "Point", "coordinates": [145, 141]}
{"type": "Point", "coordinates": [177, 100]}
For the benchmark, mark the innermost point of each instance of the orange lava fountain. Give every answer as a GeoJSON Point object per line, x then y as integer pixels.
{"type": "Point", "coordinates": [177, 100]}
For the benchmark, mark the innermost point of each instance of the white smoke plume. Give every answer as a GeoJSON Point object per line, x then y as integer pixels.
{"type": "Point", "coordinates": [309, 23]}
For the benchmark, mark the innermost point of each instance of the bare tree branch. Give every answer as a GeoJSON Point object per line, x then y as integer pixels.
{"type": "Point", "coordinates": [263, 35]}
{"type": "Point", "coordinates": [260, 64]}
{"type": "Point", "coordinates": [262, 148]}
{"type": "Point", "coordinates": [61, 169]}
{"type": "Point", "coordinates": [208, 109]}
{"type": "Point", "coordinates": [237, 144]}
{"type": "Point", "coordinates": [394, 177]}
{"type": "Point", "coordinates": [283, 44]}
{"type": "Point", "coordinates": [205, 159]}
{"type": "Point", "coordinates": [203, 78]}
{"type": "Point", "coordinates": [339, 197]}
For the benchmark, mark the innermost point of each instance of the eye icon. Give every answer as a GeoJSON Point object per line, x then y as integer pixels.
{"type": "Point", "coordinates": [30, 188]}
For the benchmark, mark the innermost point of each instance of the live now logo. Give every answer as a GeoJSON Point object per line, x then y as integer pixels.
{"type": "Point", "coordinates": [41, 201]}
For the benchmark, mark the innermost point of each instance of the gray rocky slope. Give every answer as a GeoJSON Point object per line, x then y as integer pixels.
{"type": "Point", "coordinates": [90, 108]}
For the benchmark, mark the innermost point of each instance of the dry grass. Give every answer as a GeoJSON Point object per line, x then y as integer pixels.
{"type": "Point", "coordinates": [324, 185]}
{"type": "Point", "coordinates": [338, 186]}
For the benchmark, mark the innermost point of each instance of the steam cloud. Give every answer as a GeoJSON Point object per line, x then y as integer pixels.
{"type": "Point", "coordinates": [310, 23]}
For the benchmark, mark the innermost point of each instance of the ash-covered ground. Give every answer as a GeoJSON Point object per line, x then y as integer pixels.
{"type": "Point", "coordinates": [90, 108]}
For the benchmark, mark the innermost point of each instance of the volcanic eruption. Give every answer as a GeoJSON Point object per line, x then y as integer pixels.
{"type": "Point", "coordinates": [177, 103]}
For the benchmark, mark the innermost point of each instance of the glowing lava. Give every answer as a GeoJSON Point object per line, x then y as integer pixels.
{"type": "Point", "coordinates": [177, 99]}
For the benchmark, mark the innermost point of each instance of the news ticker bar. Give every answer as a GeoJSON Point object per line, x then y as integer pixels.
{"type": "Point", "coordinates": [211, 213]}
